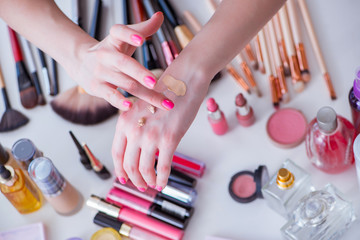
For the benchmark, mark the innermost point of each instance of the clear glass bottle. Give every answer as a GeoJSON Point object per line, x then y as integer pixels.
{"type": "Point", "coordinates": [286, 188]}
{"type": "Point", "coordinates": [320, 215]}
{"type": "Point", "coordinates": [16, 189]}
{"type": "Point", "coordinates": [329, 141]}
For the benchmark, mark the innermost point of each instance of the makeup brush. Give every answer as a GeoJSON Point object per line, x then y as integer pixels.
{"type": "Point", "coordinates": [293, 61]}
{"type": "Point", "coordinates": [251, 57]}
{"type": "Point", "coordinates": [96, 165]}
{"type": "Point", "coordinates": [95, 22]}
{"type": "Point", "coordinates": [85, 161]}
{"type": "Point", "coordinates": [75, 13]}
{"type": "Point", "coordinates": [45, 73]}
{"type": "Point", "coordinates": [259, 55]}
{"type": "Point", "coordinates": [316, 47]}
{"type": "Point", "coordinates": [32, 69]}
{"type": "Point", "coordinates": [247, 72]}
{"type": "Point", "coordinates": [28, 96]}
{"type": "Point", "coordinates": [281, 45]}
{"type": "Point", "coordinates": [181, 30]}
{"type": "Point", "coordinates": [231, 70]}
{"type": "Point", "coordinates": [299, 46]}
{"type": "Point", "coordinates": [11, 119]}
{"type": "Point", "coordinates": [54, 77]}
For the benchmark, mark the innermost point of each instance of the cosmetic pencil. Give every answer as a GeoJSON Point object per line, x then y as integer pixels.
{"type": "Point", "coordinates": [84, 159]}
{"type": "Point", "coordinates": [32, 69]}
{"type": "Point", "coordinates": [155, 197]}
{"type": "Point", "coordinates": [169, 57]}
{"type": "Point", "coordinates": [299, 45]}
{"type": "Point", "coordinates": [293, 61]}
{"type": "Point", "coordinates": [96, 165]}
{"type": "Point", "coordinates": [251, 56]}
{"type": "Point", "coordinates": [28, 96]}
{"type": "Point", "coordinates": [122, 198]}
{"type": "Point", "coordinates": [131, 232]}
{"type": "Point", "coordinates": [11, 119]}
{"type": "Point", "coordinates": [316, 47]}
{"type": "Point", "coordinates": [135, 218]}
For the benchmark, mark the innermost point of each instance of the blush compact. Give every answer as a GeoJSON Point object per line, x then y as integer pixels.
{"type": "Point", "coordinates": [245, 186]}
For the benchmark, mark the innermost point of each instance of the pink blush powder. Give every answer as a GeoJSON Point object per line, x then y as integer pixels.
{"type": "Point", "coordinates": [244, 186]}
{"type": "Point", "coordinates": [287, 127]}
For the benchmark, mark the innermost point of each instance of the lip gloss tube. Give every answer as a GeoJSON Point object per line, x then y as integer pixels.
{"type": "Point", "coordinates": [122, 198]}
{"type": "Point", "coordinates": [179, 193]}
{"type": "Point", "coordinates": [136, 218]}
{"type": "Point", "coordinates": [124, 229]}
{"type": "Point", "coordinates": [216, 117]}
{"type": "Point", "coordinates": [188, 164]}
{"type": "Point", "coordinates": [154, 196]}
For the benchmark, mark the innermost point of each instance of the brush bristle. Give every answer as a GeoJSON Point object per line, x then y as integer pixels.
{"type": "Point", "coordinates": [82, 108]}
{"type": "Point", "coordinates": [41, 100]}
{"type": "Point", "coordinates": [12, 120]}
{"type": "Point", "coordinates": [29, 98]}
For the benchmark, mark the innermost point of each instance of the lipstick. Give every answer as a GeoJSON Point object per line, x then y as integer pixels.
{"type": "Point", "coordinates": [153, 196]}
{"type": "Point", "coordinates": [216, 117]}
{"type": "Point", "coordinates": [136, 218]}
{"type": "Point", "coordinates": [244, 112]}
{"type": "Point", "coordinates": [124, 229]}
{"type": "Point", "coordinates": [188, 164]}
{"type": "Point", "coordinates": [122, 198]}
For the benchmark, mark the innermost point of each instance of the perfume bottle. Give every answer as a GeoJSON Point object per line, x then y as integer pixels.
{"type": "Point", "coordinates": [329, 141]}
{"type": "Point", "coordinates": [322, 214]}
{"type": "Point", "coordinates": [216, 117]}
{"type": "Point", "coordinates": [286, 188]}
{"type": "Point", "coordinates": [14, 186]}
{"type": "Point", "coordinates": [354, 101]}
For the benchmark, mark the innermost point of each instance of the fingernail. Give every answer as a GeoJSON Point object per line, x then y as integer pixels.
{"type": "Point", "coordinates": [150, 81]}
{"type": "Point", "coordinates": [122, 180]}
{"type": "Point", "coordinates": [136, 39]}
{"type": "Point", "coordinates": [152, 186]}
{"type": "Point", "coordinates": [168, 104]}
{"type": "Point", "coordinates": [127, 104]}
{"type": "Point", "coordinates": [159, 188]}
{"type": "Point", "coordinates": [141, 189]}
{"type": "Point", "coordinates": [157, 13]}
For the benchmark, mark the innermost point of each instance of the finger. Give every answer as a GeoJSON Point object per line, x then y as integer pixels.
{"type": "Point", "coordinates": [113, 96]}
{"type": "Point", "coordinates": [150, 26]}
{"type": "Point", "coordinates": [129, 66]}
{"type": "Point", "coordinates": [118, 150]}
{"type": "Point", "coordinates": [163, 167]}
{"type": "Point", "coordinates": [146, 165]}
{"type": "Point", "coordinates": [120, 33]}
{"type": "Point", "coordinates": [131, 166]}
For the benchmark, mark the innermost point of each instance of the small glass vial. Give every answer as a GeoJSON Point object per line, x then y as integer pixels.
{"type": "Point", "coordinates": [329, 141]}
{"type": "Point", "coordinates": [62, 196]}
{"type": "Point", "coordinates": [354, 101]}
{"type": "Point", "coordinates": [216, 118]}
{"type": "Point", "coordinates": [14, 186]}
{"type": "Point", "coordinates": [24, 152]}
{"type": "Point", "coordinates": [322, 214]}
{"type": "Point", "coordinates": [286, 188]}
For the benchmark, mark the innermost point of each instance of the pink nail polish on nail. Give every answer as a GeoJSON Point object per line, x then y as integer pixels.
{"type": "Point", "coordinates": [141, 189]}
{"type": "Point", "coordinates": [159, 188]}
{"type": "Point", "coordinates": [168, 104]}
{"type": "Point", "coordinates": [136, 39]}
{"type": "Point", "coordinates": [152, 186]}
{"type": "Point", "coordinates": [127, 104]}
{"type": "Point", "coordinates": [122, 180]}
{"type": "Point", "coordinates": [150, 81]}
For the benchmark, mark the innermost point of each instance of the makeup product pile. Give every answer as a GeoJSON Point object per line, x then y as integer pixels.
{"type": "Point", "coordinates": [151, 214]}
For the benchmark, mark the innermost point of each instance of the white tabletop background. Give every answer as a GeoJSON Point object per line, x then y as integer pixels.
{"type": "Point", "coordinates": [337, 27]}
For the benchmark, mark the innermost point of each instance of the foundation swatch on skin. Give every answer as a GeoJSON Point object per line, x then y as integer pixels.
{"type": "Point", "coordinates": [176, 86]}
{"type": "Point", "coordinates": [141, 121]}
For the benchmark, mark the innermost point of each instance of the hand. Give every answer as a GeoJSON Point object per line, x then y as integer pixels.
{"type": "Point", "coordinates": [134, 147]}
{"type": "Point", "coordinates": [108, 65]}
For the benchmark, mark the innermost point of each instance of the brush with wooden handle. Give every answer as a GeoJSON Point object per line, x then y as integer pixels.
{"type": "Point", "coordinates": [11, 119]}
{"type": "Point", "coordinates": [28, 96]}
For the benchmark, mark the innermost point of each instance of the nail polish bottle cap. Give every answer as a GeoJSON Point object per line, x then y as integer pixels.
{"type": "Point", "coordinates": [245, 186]}
{"type": "Point", "coordinates": [327, 119]}
{"type": "Point", "coordinates": [356, 87]}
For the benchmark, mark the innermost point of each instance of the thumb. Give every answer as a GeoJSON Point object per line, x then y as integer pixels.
{"type": "Point", "coordinates": [150, 26]}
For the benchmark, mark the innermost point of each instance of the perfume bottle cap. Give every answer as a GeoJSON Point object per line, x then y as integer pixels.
{"type": "Point", "coordinates": [327, 119]}
{"type": "Point", "coordinates": [285, 179]}
{"type": "Point", "coordinates": [4, 156]}
{"type": "Point", "coordinates": [356, 87]}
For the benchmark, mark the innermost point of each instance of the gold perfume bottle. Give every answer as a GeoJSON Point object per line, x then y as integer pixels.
{"type": "Point", "coordinates": [16, 189]}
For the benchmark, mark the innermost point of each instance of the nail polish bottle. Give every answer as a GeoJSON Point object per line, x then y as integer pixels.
{"type": "Point", "coordinates": [216, 117]}
{"type": "Point", "coordinates": [14, 186]}
{"type": "Point", "coordinates": [244, 112]}
{"type": "Point", "coordinates": [322, 214]}
{"type": "Point", "coordinates": [286, 188]}
{"type": "Point", "coordinates": [354, 101]}
{"type": "Point", "coordinates": [62, 196]}
{"type": "Point", "coordinates": [329, 141]}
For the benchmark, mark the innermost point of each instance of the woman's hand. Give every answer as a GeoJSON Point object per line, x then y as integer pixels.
{"type": "Point", "coordinates": [108, 65]}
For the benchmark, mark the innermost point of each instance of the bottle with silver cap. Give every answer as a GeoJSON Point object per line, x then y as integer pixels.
{"type": "Point", "coordinates": [329, 141]}
{"type": "Point", "coordinates": [24, 151]}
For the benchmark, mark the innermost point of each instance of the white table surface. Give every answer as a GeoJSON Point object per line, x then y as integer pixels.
{"type": "Point", "coordinates": [337, 27]}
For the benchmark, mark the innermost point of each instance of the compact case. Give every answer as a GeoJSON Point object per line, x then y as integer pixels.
{"type": "Point", "coordinates": [245, 186]}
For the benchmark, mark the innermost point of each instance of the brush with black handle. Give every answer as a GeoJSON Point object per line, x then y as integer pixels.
{"type": "Point", "coordinates": [45, 73]}
{"type": "Point", "coordinates": [84, 159]}
{"type": "Point", "coordinates": [11, 119]}
{"type": "Point", "coordinates": [28, 96]}
{"type": "Point", "coordinates": [32, 69]}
